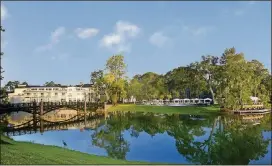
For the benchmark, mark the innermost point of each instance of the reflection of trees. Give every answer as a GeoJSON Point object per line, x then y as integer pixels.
{"type": "Point", "coordinates": [228, 142]}
{"type": "Point", "coordinates": [111, 138]}
{"type": "Point", "coordinates": [235, 144]}
{"type": "Point", "coordinates": [183, 130]}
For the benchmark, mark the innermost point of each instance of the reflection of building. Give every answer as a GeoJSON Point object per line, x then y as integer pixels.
{"type": "Point", "coordinates": [25, 94]}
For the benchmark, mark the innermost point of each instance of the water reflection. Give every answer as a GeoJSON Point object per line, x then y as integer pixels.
{"type": "Point", "coordinates": [174, 138]}
{"type": "Point", "coordinates": [29, 125]}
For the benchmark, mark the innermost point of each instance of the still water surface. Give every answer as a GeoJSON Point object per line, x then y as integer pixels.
{"type": "Point", "coordinates": [176, 139]}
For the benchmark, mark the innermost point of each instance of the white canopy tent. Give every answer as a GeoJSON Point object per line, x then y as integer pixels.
{"type": "Point", "coordinates": [207, 100]}
{"type": "Point", "coordinates": [254, 99]}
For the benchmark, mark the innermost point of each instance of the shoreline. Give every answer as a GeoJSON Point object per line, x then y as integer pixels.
{"type": "Point", "coordinates": [17, 152]}
{"type": "Point", "coordinates": [195, 110]}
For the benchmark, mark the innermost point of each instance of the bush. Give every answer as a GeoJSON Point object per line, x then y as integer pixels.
{"type": "Point", "coordinates": [114, 99]}
{"type": "Point", "coordinates": [103, 98]}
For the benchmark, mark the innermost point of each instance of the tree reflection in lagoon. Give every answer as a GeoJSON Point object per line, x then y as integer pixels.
{"type": "Point", "coordinates": [229, 141]}
{"type": "Point", "coordinates": [178, 139]}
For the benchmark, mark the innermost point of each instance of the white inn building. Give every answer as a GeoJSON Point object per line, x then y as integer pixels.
{"type": "Point", "coordinates": [26, 94]}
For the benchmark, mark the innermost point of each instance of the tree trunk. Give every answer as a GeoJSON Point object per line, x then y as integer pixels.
{"type": "Point", "coordinates": [213, 98]}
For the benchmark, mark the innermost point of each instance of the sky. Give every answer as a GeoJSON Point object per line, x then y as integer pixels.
{"type": "Point", "coordinates": [65, 41]}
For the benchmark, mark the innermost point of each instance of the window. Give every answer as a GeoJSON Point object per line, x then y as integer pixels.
{"type": "Point", "coordinates": [41, 94]}
{"type": "Point", "coordinates": [28, 94]}
{"type": "Point", "coordinates": [33, 89]}
{"type": "Point", "coordinates": [63, 94]}
{"type": "Point", "coordinates": [56, 94]}
{"type": "Point", "coordinates": [41, 89]}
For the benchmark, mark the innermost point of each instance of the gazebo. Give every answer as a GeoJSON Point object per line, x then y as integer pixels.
{"type": "Point", "coordinates": [254, 99]}
{"type": "Point", "coordinates": [176, 101]}
{"type": "Point", "coordinates": [196, 100]}
{"type": "Point", "coordinates": [207, 101]}
{"type": "Point", "coordinates": [186, 101]}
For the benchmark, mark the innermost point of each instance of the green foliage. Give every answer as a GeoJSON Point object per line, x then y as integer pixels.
{"type": "Point", "coordinates": [4, 95]}
{"type": "Point", "coordinates": [114, 80]}
{"type": "Point", "coordinates": [51, 84]}
{"type": "Point", "coordinates": [99, 87]}
{"type": "Point", "coordinates": [229, 80]}
{"type": "Point", "coordinates": [116, 66]}
{"type": "Point", "coordinates": [239, 79]}
{"type": "Point", "coordinates": [1, 54]}
{"type": "Point", "coordinates": [103, 98]}
{"type": "Point", "coordinates": [11, 85]}
{"type": "Point", "coordinates": [114, 99]}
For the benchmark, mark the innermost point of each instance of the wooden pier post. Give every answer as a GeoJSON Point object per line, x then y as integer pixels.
{"type": "Point", "coordinates": [41, 108]}
{"type": "Point", "coordinates": [35, 115]}
{"type": "Point", "coordinates": [85, 107]}
{"type": "Point", "coordinates": [41, 126]}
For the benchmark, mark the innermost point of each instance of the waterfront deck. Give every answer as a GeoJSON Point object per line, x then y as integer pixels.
{"type": "Point", "coordinates": [256, 112]}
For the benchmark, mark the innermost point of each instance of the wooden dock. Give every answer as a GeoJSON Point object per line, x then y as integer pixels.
{"type": "Point", "coordinates": [256, 112]}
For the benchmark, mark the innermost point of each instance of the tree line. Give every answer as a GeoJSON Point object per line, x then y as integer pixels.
{"type": "Point", "coordinates": [228, 79]}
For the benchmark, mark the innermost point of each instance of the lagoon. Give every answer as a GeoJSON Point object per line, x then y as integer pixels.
{"type": "Point", "coordinates": [164, 138]}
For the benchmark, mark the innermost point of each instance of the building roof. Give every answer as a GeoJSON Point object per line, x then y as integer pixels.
{"type": "Point", "coordinates": [58, 86]}
{"type": "Point", "coordinates": [42, 86]}
{"type": "Point", "coordinates": [84, 85]}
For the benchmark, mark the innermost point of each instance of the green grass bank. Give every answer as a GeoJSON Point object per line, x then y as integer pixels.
{"type": "Point", "coordinates": [199, 110]}
{"type": "Point", "coordinates": [25, 153]}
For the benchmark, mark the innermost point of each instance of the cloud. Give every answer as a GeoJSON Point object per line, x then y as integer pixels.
{"type": "Point", "coordinates": [198, 31]}
{"type": "Point", "coordinates": [85, 33]}
{"type": "Point", "coordinates": [4, 12]}
{"type": "Point", "coordinates": [55, 36]}
{"type": "Point", "coordinates": [54, 39]}
{"type": "Point", "coordinates": [158, 39]}
{"type": "Point", "coordinates": [119, 40]}
{"type": "Point", "coordinates": [126, 28]}
{"type": "Point", "coordinates": [111, 39]}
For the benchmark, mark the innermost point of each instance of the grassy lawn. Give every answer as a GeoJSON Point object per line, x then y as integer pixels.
{"type": "Point", "coordinates": [200, 110]}
{"type": "Point", "coordinates": [14, 153]}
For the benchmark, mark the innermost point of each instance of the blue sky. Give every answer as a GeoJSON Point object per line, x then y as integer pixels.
{"type": "Point", "coordinates": [66, 41]}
